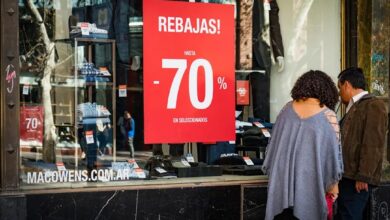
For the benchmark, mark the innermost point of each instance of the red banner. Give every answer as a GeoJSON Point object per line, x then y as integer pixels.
{"type": "Point", "coordinates": [31, 124]}
{"type": "Point", "coordinates": [242, 92]}
{"type": "Point", "coordinates": [189, 79]}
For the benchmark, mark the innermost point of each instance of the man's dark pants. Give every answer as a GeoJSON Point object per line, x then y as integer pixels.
{"type": "Point", "coordinates": [350, 203]}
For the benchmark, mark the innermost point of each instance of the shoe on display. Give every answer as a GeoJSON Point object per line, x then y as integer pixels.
{"type": "Point", "coordinates": [160, 167]}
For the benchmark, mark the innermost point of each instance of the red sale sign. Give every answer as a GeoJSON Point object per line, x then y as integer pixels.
{"type": "Point", "coordinates": [189, 81]}
{"type": "Point", "coordinates": [242, 92]}
{"type": "Point", "coordinates": [31, 124]}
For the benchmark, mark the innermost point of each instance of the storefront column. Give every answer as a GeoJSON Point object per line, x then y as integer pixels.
{"type": "Point", "coordinates": [350, 33]}
{"type": "Point", "coordinates": [9, 148]}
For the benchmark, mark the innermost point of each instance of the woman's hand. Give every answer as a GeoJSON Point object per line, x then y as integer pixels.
{"type": "Point", "coordinates": [333, 191]}
{"type": "Point", "coordinates": [334, 196]}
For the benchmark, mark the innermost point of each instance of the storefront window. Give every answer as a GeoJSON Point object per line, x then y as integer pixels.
{"type": "Point", "coordinates": [81, 77]}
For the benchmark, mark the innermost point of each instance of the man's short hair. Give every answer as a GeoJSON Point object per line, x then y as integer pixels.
{"type": "Point", "coordinates": [353, 75]}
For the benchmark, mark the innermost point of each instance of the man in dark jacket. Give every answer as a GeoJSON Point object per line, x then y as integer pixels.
{"type": "Point", "coordinates": [363, 131]}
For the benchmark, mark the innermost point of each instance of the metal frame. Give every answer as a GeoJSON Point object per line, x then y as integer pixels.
{"type": "Point", "coordinates": [349, 33]}
{"type": "Point", "coordinates": [9, 147]}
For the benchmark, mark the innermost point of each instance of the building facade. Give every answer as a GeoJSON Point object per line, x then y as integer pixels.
{"type": "Point", "coordinates": [71, 69]}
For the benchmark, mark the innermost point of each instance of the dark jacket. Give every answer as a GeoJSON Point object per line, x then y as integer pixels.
{"type": "Point", "coordinates": [262, 51]}
{"type": "Point", "coordinates": [363, 131]}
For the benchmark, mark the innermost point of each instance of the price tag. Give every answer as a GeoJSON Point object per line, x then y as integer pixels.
{"type": "Point", "coordinates": [84, 26]}
{"type": "Point", "coordinates": [104, 71]}
{"type": "Point", "coordinates": [133, 163]}
{"type": "Point", "coordinates": [60, 166]}
{"type": "Point", "coordinates": [258, 124]}
{"type": "Point", "coordinates": [89, 137]}
{"type": "Point", "coordinates": [185, 163]}
{"type": "Point", "coordinates": [266, 132]}
{"type": "Point", "coordinates": [190, 158]}
{"type": "Point", "coordinates": [188, 88]}
{"type": "Point", "coordinates": [248, 161]}
{"type": "Point", "coordinates": [26, 89]}
{"type": "Point", "coordinates": [160, 170]}
{"type": "Point", "coordinates": [122, 91]}
{"type": "Point", "coordinates": [140, 173]}
{"type": "Point", "coordinates": [242, 92]}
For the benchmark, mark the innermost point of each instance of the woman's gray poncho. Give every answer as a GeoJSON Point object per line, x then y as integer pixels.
{"type": "Point", "coordinates": [303, 159]}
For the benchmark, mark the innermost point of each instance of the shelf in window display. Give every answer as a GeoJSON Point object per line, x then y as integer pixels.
{"type": "Point", "coordinates": [94, 78]}
{"type": "Point", "coordinates": [85, 39]}
{"type": "Point", "coordinates": [62, 115]}
{"type": "Point", "coordinates": [61, 105]}
{"type": "Point", "coordinates": [81, 83]}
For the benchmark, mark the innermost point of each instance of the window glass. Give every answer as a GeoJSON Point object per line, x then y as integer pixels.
{"type": "Point", "coordinates": [311, 37]}
{"type": "Point", "coordinates": [81, 89]}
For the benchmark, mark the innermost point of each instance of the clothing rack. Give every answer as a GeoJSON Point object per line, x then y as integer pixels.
{"type": "Point", "coordinates": [251, 71]}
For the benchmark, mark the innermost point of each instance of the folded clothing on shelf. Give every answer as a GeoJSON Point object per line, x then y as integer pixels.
{"type": "Point", "coordinates": [92, 74]}
{"type": "Point", "coordinates": [88, 30]}
{"type": "Point", "coordinates": [88, 113]}
{"type": "Point", "coordinates": [89, 69]}
{"type": "Point", "coordinates": [237, 165]}
{"type": "Point", "coordinates": [97, 32]}
{"type": "Point", "coordinates": [91, 78]}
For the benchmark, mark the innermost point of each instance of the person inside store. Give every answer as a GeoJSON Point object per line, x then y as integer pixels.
{"type": "Point", "coordinates": [363, 131]}
{"type": "Point", "coordinates": [102, 135]}
{"type": "Point", "coordinates": [90, 149]}
{"type": "Point", "coordinates": [303, 159]}
{"type": "Point", "coordinates": [127, 128]}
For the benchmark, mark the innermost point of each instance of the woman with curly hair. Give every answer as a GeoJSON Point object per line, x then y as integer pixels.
{"type": "Point", "coordinates": [303, 159]}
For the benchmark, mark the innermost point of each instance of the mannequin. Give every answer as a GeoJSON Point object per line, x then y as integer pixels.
{"type": "Point", "coordinates": [267, 51]}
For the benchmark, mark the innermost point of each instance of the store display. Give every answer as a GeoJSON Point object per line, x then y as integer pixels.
{"type": "Point", "coordinates": [214, 151]}
{"type": "Point", "coordinates": [254, 136]}
{"type": "Point", "coordinates": [128, 170]}
{"type": "Point", "coordinates": [267, 49]}
{"type": "Point", "coordinates": [88, 30]}
{"type": "Point", "coordinates": [172, 167]}
{"type": "Point", "coordinates": [94, 113]}
{"type": "Point", "coordinates": [160, 167]}
{"type": "Point", "coordinates": [89, 113]}
{"type": "Point", "coordinates": [93, 74]}
{"type": "Point", "coordinates": [238, 165]}
{"type": "Point", "coordinates": [201, 169]}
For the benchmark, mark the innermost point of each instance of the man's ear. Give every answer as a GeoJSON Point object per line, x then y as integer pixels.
{"type": "Point", "coordinates": [347, 85]}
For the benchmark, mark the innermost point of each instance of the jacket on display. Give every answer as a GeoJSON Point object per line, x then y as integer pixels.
{"type": "Point", "coordinates": [262, 31]}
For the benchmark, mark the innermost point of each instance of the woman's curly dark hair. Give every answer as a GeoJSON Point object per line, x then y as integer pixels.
{"type": "Point", "coordinates": [316, 84]}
